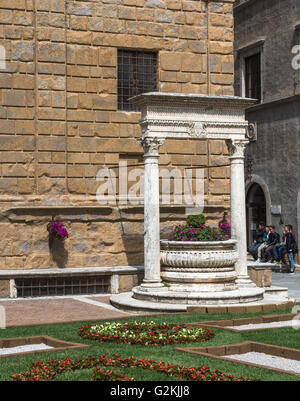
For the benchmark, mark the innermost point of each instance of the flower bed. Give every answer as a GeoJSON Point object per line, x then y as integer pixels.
{"type": "Point", "coordinates": [146, 333]}
{"type": "Point", "coordinates": [43, 371]}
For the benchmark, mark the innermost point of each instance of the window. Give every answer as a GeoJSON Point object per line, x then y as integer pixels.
{"type": "Point", "coordinates": [253, 76]}
{"type": "Point", "coordinates": [137, 73]}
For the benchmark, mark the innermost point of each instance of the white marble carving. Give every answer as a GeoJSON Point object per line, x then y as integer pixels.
{"type": "Point", "coordinates": [183, 116]}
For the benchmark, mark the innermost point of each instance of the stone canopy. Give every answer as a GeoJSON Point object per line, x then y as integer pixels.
{"type": "Point", "coordinates": [190, 116]}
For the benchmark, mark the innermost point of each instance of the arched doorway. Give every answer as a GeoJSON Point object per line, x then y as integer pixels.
{"type": "Point", "coordinates": [256, 209]}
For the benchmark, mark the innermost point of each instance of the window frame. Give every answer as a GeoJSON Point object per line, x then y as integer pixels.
{"type": "Point", "coordinates": [137, 79]}
{"type": "Point", "coordinates": [250, 75]}
{"type": "Point", "coordinates": [246, 52]}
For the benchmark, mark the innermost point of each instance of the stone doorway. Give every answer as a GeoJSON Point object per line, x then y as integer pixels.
{"type": "Point", "coordinates": [256, 210]}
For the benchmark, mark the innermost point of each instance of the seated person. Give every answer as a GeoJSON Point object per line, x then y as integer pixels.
{"type": "Point", "coordinates": [274, 239]}
{"type": "Point", "coordinates": [280, 248]}
{"type": "Point", "coordinates": [264, 244]}
{"type": "Point", "coordinates": [258, 240]}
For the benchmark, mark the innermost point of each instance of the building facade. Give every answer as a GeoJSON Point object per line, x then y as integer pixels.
{"type": "Point", "coordinates": [67, 70]}
{"type": "Point", "coordinates": [267, 48]}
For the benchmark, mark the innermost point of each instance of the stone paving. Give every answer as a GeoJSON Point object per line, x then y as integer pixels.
{"type": "Point", "coordinates": [50, 310]}
{"type": "Point", "coordinates": [291, 281]}
{"type": "Point", "coordinates": [29, 311]}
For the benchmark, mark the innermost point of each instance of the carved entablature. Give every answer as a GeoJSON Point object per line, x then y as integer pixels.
{"type": "Point", "coordinates": [166, 115]}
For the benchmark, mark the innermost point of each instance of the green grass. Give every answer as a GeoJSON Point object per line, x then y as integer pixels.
{"type": "Point", "coordinates": [287, 337]}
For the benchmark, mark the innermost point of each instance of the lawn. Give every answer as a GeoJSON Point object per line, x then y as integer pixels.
{"type": "Point", "coordinates": [287, 337]}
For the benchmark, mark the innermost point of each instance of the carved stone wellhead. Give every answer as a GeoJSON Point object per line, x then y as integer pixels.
{"type": "Point", "coordinates": [199, 266]}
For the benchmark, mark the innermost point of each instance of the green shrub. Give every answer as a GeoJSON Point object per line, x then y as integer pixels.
{"type": "Point", "coordinates": [195, 220]}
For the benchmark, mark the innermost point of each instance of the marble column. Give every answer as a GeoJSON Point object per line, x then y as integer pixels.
{"type": "Point", "coordinates": [238, 208]}
{"type": "Point", "coordinates": [152, 280]}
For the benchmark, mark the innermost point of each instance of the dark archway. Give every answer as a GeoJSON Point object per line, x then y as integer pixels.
{"type": "Point", "coordinates": [256, 209]}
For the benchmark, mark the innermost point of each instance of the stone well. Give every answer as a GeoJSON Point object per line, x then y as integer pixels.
{"type": "Point", "coordinates": [195, 266]}
{"type": "Point", "coordinates": [192, 276]}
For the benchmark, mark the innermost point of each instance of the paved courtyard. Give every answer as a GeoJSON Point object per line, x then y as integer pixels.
{"type": "Point", "coordinates": [291, 281]}
{"type": "Point", "coordinates": [49, 310]}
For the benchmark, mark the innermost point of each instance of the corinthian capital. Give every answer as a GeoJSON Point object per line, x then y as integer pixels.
{"type": "Point", "coordinates": [151, 145]}
{"type": "Point", "coordinates": [236, 147]}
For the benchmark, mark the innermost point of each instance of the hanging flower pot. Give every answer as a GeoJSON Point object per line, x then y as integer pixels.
{"type": "Point", "coordinates": [57, 231]}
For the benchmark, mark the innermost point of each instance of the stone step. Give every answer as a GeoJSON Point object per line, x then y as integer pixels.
{"type": "Point", "coordinates": [275, 267]}
{"type": "Point", "coordinates": [271, 302]}
{"type": "Point", "coordinates": [275, 290]}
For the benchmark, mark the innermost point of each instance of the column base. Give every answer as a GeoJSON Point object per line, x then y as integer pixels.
{"type": "Point", "coordinates": [150, 286]}
{"type": "Point", "coordinates": [244, 281]}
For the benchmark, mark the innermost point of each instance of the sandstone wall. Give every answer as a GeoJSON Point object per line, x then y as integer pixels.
{"type": "Point", "coordinates": [59, 121]}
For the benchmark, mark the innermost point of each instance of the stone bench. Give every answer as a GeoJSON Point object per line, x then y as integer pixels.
{"type": "Point", "coordinates": [116, 279]}
{"type": "Point", "coordinates": [261, 274]}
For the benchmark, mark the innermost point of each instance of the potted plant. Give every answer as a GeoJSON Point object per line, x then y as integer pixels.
{"type": "Point", "coordinates": [57, 230]}
{"type": "Point", "coordinates": [196, 221]}
{"type": "Point", "coordinates": [199, 260]}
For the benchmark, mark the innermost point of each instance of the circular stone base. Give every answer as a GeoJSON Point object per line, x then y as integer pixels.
{"type": "Point", "coordinates": [204, 298]}
{"type": "Point", "coordinates": [125, 301]}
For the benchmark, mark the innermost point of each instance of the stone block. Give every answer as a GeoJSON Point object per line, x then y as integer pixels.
{"type": "Point", "coordinates": [192, 62]}
{"type": "Point", "coordinates": [156, 4]}
{"type": "Point", "coordinates": [79, 37]}
{"type": "Point", "coordinates": [196, 309]}
{"type": "Point", "coordinates": [53, 143]}
{"type": "Point", "coordinates": [253, 308]}
{"type": "Point", "coordinates": [52, 52]}
{"type": "Point", "coordinates": [22, 81]}
{"type": "Point", "coordinates": [127, 13]}
{"type": "Point", "coordinates": [144, 14]}
{"type": "Point", "coordinates": [6, 16]}
{"type": "Point", "coordinates": [25, 185]}
{"type": "Point", "coordinates": [108, 57]}
{"type": "Point", "coordinates": [13, 97]}
{"type": "Point", "coordinates": [170, 61]}
{"type": "Point", "coordinates": [236, 309]}
{"type": "Point", "coordinates": [4, 288]}
{"type": "Point", "coordinates": [127, 282]}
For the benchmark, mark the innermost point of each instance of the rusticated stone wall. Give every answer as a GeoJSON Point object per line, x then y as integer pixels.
{"type": "Point", "coordinates": [59, 122]}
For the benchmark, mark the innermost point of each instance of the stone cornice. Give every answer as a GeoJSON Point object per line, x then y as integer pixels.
{"type": "Point", "coordinates": [258, 44]}
{"type": "Point", "coordinates": [191, 100]}
{"type": "Point", "coordinates": [273, 103]}
{"type": "Point", "coordinates": [241, 6]}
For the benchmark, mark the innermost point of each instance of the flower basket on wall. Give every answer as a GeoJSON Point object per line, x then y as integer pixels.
{"type": "Point", "coordinates": [57, 231]}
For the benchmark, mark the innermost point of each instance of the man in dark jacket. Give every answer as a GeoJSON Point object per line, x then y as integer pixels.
{"type": "Point", "coordinates": [291, 246]}
{"type": "Point", "coordinates": [257, 240]}
{"type": "Point", "coordinates": [274, 239]}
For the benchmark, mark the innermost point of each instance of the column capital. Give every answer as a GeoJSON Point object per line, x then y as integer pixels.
{"type": "Point", "coordinates": [236, 147]}
{"type": "Point", "coordinates": [151, 145]}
